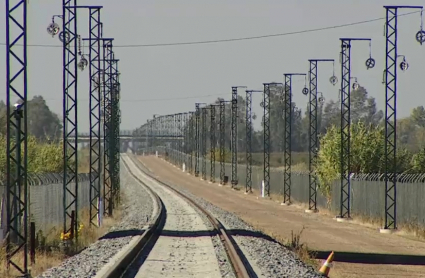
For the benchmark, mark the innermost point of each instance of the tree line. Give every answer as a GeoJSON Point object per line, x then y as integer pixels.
{"type": "Point", "coordinates": [43, 124]}
{"type": "Point", "coordinates": [44, 131]}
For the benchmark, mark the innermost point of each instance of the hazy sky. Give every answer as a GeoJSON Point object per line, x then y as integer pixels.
{"type": "Point", "coordinates": [204, 72]}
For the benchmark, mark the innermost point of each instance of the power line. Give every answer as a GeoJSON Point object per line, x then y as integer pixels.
{"type": "Point", "coordinates": [237, 39]}
{"type": "Point", "coordinates": [165, 99]}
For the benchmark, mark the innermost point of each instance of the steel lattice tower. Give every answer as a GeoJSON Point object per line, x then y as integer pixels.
{"type": "Point", "coordinates": [16, 162]}
{"type": "Point", "coordinates": [179, 137]}
{"type": "Point", "coordinates": [234, 132]}
{"type": "Point", "coordinates": [345, 128]}
{"type": "Point", "coordinates": [212, 143]}
{"type": "Point", "coordinates": [222, 126]}
{"type": "Point", "coordinates": [95, 33]}
{"type": "Point", "coordinates": [390, 175]}
{"type": "Point", "coordinates": [197, 139]}
{"type": "Point", "coordinates": [176, 138]}
{"type": "Point", "coordinates": [248, 140]}
{"type": "Point", "coordinates": [248, 122]}
{"type": "Point", "coordinates": [173, 133]}
{"type": "Point", "coordinates": [70, 119]}
{"type": "Point", "coordinates": [204, 143]}
{"type": "Point", "coordinates": [288, 136]}
{"type": "Point", "coordinates": [313, 145]}
{"type": "Point", "coordinates": [266, 135]}
{"type": "Point", "coordinates": [191, 140]}
{"type": "Point", "coordinates": [222, 139]}
{"type": "Point", "coordinates": [115, 123]}
{"type": "Point", "coordinates": [345, 158]}
{"type": "Point", "coordinates": [107, 110]}
{"type": "Point", "coordinates": [183, 132]}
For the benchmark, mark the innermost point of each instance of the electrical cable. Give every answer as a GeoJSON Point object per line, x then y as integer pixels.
{"type": "Point", "coordinates": [236, 39]}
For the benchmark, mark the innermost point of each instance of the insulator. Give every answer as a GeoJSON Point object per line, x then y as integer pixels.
{"type": "Point", "coordinates": [420, 36]}
{"type": "Point", "coordinates": [355, 86]}
{"type": "Point", "coordinates": [305, 91]}
{"type": "Point", "coordinates": [82, 64]}
{"type": "Point", "coordinates": [262, 104]}
{"type": "Point", "coordinates": [370, 63]}
{"type": "Point", "coordinates": [404, 65]}
{"type": "Point", "coordinates": [333, 80]}
{"type": "Point", "coordinates": [53, 29]}
{"type": "Point", "coordinates": [64, 37]}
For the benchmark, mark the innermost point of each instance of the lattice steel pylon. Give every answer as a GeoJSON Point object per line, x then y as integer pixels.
{"type": "Point", "coordinates": [187, 141]}
{"type": "Point", "coordinates": [70, 119]}
{"type": "Point", "coordinates": [204, 143]}
{"type": "Point", "coordinates": [287, 153]}
{"type": "Point", "coordinates": [179, 142]}
{"type": "Point", "coordinates": [390, 174]}
{"type": "Point", "coordinates": [222, 126]}
{"type": "Point", "coordinates": [313, 145]}
{"type": "Point", "coordinates": [16, 162]}
{"type": "Point", "coordinates": [197, 138]}
{"type": "Point", "coordinates": [345, 159]}
{"type": "Point", "coordinates": [213, 142]}
{"type": "Point", "coordinates": [266, 135]}
{"type": "Point", "coordinates": [234, 133]}
{"type": "Point", "coordinates": [175, 143]}
{"type": "Point", "coordinates": [173, 130]}
{"type": "Point", "coordinates": [248, 123]}
{"type": "Point", "coordinates": [107, 128]}
{"type": "Point", "coordinates": [115, 124]}
{"type": "Point", "coordinates": [191, 140]}
{"type": "Point", "coordinates": [95, 33]}
{"type": "Point", "coordinates": [345, 128]}
{"type": "Point", "coordinates": [222, 139]}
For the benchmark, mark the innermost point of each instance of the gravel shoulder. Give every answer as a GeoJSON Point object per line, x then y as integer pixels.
{"type": "Point", "coordinates": [138, 209]}
{"type": "Point", "coordinates": [320, 232]}
{"type": "Point", "coordinates": [184, 247]}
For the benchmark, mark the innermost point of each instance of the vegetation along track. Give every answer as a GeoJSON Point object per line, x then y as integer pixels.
{"type": "Point", "coordinates": [178, 245]}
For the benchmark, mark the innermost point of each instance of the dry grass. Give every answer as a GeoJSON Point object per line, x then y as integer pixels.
{"type": "Point", "coordinates": [294, 244]}
{"type": "Point", "coordinates": [48, 253]}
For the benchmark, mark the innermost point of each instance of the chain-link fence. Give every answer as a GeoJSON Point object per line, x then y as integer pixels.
{"type": "Point", "coordinates": [367, 190]}
{"type": "Point", "coordinates": [45, 192]}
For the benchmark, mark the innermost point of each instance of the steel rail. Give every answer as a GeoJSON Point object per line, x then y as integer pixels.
{"type": "Point", "coordinates": [124, 262]}
{"type": "Point", "coordinates": [229, 246]}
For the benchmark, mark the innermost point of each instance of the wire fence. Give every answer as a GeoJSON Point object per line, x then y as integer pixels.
{"type": "Point", "coordinates": [367, 195]}
{"type": "Point", "coordinates": [45, 192]}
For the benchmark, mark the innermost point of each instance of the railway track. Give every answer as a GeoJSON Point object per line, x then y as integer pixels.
{"type": "Point", "coordinates": [176, 243]}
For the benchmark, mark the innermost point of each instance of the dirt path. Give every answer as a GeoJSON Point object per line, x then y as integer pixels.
{"type": "Point", "coordinates": [320, 232]}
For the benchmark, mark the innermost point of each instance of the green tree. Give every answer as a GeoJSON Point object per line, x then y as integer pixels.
{"type": "Point", "coordinates": [330, 116]}
{"type": "Point", "coordinates": [367, 149]}
{"type": "Point", "coordinates": [363, 108]}
{"type": "Point", "coordinates": [418, 116]}
{"type": "Point", "coordinates": [42, 123]}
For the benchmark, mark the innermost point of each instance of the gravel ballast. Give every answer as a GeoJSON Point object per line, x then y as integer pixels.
{"type": "Point", "coordinates": [184, 247]}
{"type": "Point", "coordinates": [138, 209]}
{"type": "Point", "coordinates": [266, 257]}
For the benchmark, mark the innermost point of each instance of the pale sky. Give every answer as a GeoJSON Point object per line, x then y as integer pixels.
{"type": "Point", "coordinates": [204, 72]}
